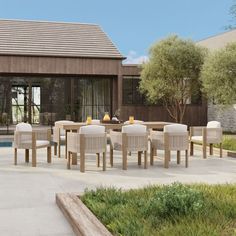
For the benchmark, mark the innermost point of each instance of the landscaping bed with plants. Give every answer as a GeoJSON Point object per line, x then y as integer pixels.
{"type": "Point", "coordinates": [229, 143]}
{"type": "Point", "coordinates": [175, 209]}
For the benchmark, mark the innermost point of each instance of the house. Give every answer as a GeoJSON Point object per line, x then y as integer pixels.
{"type": "Point", "coordinates": [53, 70]}
{"type": "Point", "coordinates": [226, 115]}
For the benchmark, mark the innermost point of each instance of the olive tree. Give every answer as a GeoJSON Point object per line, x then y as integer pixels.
{"type": "Point", "coordinates": [219, 75]}
{"type": "Point", "coordinates": [172, 73]}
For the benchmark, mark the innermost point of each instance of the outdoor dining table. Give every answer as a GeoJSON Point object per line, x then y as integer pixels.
{"type": "Point", "coordinates": [109, 126]}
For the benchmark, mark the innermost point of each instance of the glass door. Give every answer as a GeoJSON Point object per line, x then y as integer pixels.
{"type": "Point", "coordinates": [25, 104]}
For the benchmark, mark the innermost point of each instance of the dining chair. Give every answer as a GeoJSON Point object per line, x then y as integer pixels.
{"type": "Point", "coordinates": [210, 134]}
{"type": "Point", "coordinates": [27, 138]}
{"type": "Point", "coordinates": [132, 138]}
{"type": "Point", "coordinates": [134, 122]}
{"type": "Point", "coordinates": [173, 138]}
{"type": "Point", "coordinates": [59, 135]}
{"type": "Point", "coordinates": [90, 139]}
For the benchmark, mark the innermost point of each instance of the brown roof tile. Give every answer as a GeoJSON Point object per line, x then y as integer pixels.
{"type": "Point", "coordinates": [20, 37]}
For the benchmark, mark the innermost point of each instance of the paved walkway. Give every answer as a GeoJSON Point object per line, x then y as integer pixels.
{"type": "Point", "coordinates": [27, 194]}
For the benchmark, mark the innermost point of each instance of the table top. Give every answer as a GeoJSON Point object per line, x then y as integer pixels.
{"type": "Point", "coordinates": [149, 124]}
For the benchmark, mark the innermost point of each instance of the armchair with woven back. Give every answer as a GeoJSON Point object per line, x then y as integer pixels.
{"type": "Point", "coordinates": [27, 138]}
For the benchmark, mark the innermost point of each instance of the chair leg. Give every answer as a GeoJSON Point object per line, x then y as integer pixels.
{"type": "Point", "coordinates": [104, 161]}
{"type": "Point", "coordinates": [55, 149]}
{"type": "Point", "coordinates": [155, 152]}
{"type": "Point", "coordinates": [211, 149]}
{"type": "Point", "coordinates": [68, 159]}
{"type": "Point", "coordinates": [49, 155]}
{"type": "Point", "coordinates": [27, 155]}
{"type": "Point", "coordinates": [124, 157]}
{"type": "Point", "coordinates": [178, 157]}
{"type": "Point", "coordinates": [186, 158]}
{"type": "Point", "coordinates": [98, 159]}
{"type": "Point", "coordinates": [204, 146]}
{"type": "Point", "coordinates": [139, 158]}
{"type": "Point", "coordinates": [15, 156]}
{"type": "Point", "coordinates": [191, 148]}
{"type": "Point", "coordinates": [145, 160]}
{"type": "Point", "coordinates": [82, 161]}
{"type": "Point", "coordinates": [59, 149]}
{"type": "Point", "coordinates": [34, 157]}
{"type": "Point", "coordinates": [167, 159]}
{"type": "Point", "coordinates": [151, 155]}
{"type": "Point", "coordinates": [111, 155]}
{"type": "Point", "coordinates": [220, 150]}
{"type": "Point", "coordinates": [74, 158]}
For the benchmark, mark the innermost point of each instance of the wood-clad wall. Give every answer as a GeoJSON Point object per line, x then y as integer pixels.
{"type": "Point", "coordinates": [62, 66]}
{"type": "Point", "coordinates": [195, 114]}
{"type": "Point", "coordinates": [131, 70]}
{"type": "Point", "coordinates": [58, 65]}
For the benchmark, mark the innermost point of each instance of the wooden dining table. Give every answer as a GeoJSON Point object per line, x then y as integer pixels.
{"type": "Point", "coordinates": [108, 126]}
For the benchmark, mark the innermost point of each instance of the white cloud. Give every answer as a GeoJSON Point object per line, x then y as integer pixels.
{"type": "Point", "coordinates": [134, 58]}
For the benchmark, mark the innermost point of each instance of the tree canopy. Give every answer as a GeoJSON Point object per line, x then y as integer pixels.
{"type": "Point", "coordinates": [232, 12]}
{"type": "Point", "coordinates": [172, 74]}
{"type": "Point", "coordinates": [219, 75]}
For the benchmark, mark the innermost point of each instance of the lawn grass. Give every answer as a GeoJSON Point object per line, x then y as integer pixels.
{"type": "Point", "coordinates": [229, 143]}
{"type": "Point", "coordinates": [176, 210]}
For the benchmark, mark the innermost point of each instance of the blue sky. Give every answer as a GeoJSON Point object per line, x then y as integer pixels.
{"type": "Point", "coordinates": [133, 25]}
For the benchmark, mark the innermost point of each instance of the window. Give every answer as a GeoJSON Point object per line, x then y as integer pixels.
{"type": "Point", "coordinates": [131, 94]}
{"type": "Point", "coordinates": [196, 99]}
{"type": "Point", "coordinates": [93, 97]}
{"type": "Point", "coordinates": [20, 102]}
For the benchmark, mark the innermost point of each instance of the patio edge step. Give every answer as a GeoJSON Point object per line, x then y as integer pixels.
{"type": "Point", "coordinates": [82, 220]}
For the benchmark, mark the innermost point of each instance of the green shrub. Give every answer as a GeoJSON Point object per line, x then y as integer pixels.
{"type": "Point", "coordinates": [188, 210]}
{"type": "Point", "coordinates": [175, 199]}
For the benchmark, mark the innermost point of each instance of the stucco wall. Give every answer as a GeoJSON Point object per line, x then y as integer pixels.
{"type": "Point", "coordinates": [226, 115]}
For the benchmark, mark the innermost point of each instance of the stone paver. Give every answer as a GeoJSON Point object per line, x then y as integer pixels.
{"type": "Point", "coordinates": [27, 194]}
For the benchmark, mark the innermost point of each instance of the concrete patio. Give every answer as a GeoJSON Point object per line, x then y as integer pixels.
{"type": "Point", "coordinates": [27, 195]}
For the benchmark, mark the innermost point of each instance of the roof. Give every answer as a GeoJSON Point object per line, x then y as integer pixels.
{"type": "Point", "coordinates": [218, 41]}
{"type": "Point", "coordinates": [41, 38]}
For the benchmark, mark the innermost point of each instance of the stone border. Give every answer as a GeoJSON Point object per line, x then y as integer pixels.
{"type": "Point", "coordinates": [226, 153]}
{"type": "Point", "coordinates": [231, 154]}
{"type": "Point", "coordinates": [82, 220]}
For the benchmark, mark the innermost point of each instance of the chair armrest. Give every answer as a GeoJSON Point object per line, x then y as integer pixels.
{"type": "Point", "coordinates": [56, 134]}
{"type": "Point", "coordinates": [72, 141]}
{"type": "Point", "coordinates": [42, 134]}
{"type": "Point", "coordinates": [115, 137]}
{"type": "Point", "coordinates": [135, 141]}
{"type": "Point", "coordinates": [212, 135]}
{"type": "Point", "coordinates": [196, 130]}
{"type": "Point", "coordinates": [156, 135]}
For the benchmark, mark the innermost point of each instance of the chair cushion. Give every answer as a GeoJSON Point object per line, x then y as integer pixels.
{"type": "Point", "coordinates": [135, 122]}
{"type": "Point", "coordinates": [157, 139]}
{"type": "Point", "coordinates": [42, 143]}
{"type": "Point", "coordinates": [92, 129]}
{"type": "Point", "coordinates": [60, 122]}
{"type": "Point", "coordinates": [39, 143]}
{"type": "Point", "coordinates": [95, 122]}
{"type": "Point", "coordinates": [213, 124]}
{"type": "Point", "coordinates": [134, 129]}
{"type": "Point", "coordinates": [175, 128]}
{"type": "Point", "coordinates": [196, 138]}
{"type": "Point", "coordinates": [23, 127]}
